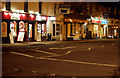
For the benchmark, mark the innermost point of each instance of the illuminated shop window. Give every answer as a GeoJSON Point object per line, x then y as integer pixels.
{"type": "Point", "coordinates": [13, 28]}
{"type": "Point", "coordinates": [43, 30]}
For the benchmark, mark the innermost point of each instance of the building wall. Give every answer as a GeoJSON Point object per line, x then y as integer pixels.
{"type": "Point", "coordinates": [33, 6]}
{"type": "Point", "coordinates": [17, 6]}
{"type": "Point", "coordinates": [48, 8]}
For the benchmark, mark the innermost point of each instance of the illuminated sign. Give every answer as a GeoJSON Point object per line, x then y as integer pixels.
{"type": "Point", "coordinates": [99, 21]}
{"type": "Point", "coordinates": [74, 20]}
{"type": "Point", "coordinates": [41, 18]}
{"type": "Point", "coordinates": [96, 21]}
{"type": "Point", "coordinates": [51, 18]}
{"type": "Point", "coordinates": [15, 16]}
{"type": "Point", "coordinates": [104, 22]}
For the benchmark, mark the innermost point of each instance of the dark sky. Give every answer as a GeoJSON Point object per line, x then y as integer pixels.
{"type": "Point", "coordinates": [111, 4]}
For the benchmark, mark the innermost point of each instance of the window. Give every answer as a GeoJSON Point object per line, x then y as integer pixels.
{"type": "Point", "coordinates": [57, 29]}
{"type": "Point", "coordinates": [112, 21]}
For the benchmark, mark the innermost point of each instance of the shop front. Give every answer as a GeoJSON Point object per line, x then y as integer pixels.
{"type": "Point", "coordinates": [113, 27]}
{"type": "Point", "coordinates": [99, 28]}
{"type": "Point", "coordinates": [19, 27]}
{"type": "Point", "coordinates": [75, 29]}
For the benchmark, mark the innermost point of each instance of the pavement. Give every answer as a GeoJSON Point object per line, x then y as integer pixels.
{"type": "Point", "coordinates": [53, 42]}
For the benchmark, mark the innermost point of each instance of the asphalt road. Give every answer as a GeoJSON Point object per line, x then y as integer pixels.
{"type": "Point", "coordinates": [71, 59]}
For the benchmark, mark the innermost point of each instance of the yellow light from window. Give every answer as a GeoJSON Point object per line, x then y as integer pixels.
{"type": "Point", "coordinates": [70, 20]}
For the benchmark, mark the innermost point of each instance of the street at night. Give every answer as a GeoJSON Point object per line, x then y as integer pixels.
{"type": "Point", "coordinates": [71, 58]}
{"type": "Point", "coordinates": [59, 38]}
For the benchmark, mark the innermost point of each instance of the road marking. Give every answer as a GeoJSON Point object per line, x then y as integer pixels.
{"type": "Point", "coordinates": [42, 51]}
{"type": "Point", "coordinates": [59, 55]}
{"type": "Point", "coordinates": [79, 62]}
{"type": "Point", "coordinates": [71, 61]}
{"type": "Point", "coordinates": [63, 48]}
{"type": "Point", "coordinates": [68, 52]}
{"type": "Point", "coordinates": [22, 54]}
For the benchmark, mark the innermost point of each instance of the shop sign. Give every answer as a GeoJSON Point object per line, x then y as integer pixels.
{"type": "Point", "coordinates": [104, 22]}
{"type": "Point", "coordinates": [52, 18]}
{"type": "Point", "coordinates": [74, 20]}
{"type": "Point", "coordinates": [21, 36]}
{"type": "Point", "coordinates": [38, 18]}
{"type": "Point", "coordinates": [15, 16]}
{"type": "Point", "coordinates": [41, 18]}
{"type": "Point", "coordinates": [21, 31]}
{"type": "Point", "coordinates": [96, 21]}
{"type": "Point", "coordinates": [4, 29]}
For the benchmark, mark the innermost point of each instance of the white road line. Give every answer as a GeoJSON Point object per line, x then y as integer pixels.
{"type": "Point", "coordinates": [71, 61]}
{"type": "Point", "coordinates": [59, 55]}
{"type": "Point", "coordinates": [68, 52]}
{"type": "Point", "coordinates": [79, 62]}
{"type": "Point", "coordinates": [42, 51]}
{"type": "Point", "coordinates": [22, 54]}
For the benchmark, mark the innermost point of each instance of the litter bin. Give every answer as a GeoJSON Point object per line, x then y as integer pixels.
{"type": "Point", "coordinates": [49, 36]}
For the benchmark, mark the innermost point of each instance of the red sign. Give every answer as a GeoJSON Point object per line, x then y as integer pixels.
{"type": "Point", "coordinates": [96, 21]}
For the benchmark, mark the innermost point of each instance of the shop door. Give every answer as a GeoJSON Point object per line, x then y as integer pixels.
{"type": "Point", "coordinates": [95, 31]}
{"type": "Point", "coordinates": [30, 32]}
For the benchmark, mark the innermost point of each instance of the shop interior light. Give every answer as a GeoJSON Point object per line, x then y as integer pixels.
{"type": "Point", "coordinates": [23, 14]}
{"type": "Point", "coordinates": [4, 9]}
{"type": "Point", "coordinates": [37, 13]}
{"type": "Point", "coordinates": [70, 20]}
{"type": "Point", "coordinates": [10, 13]}
{"type": "Point", "coordinates": [116, 27]}
{"type": "Point", "coordinates": [5, 13]}
{"type": "Point", "coordinates": [32, 12]}
{"type": "Point", "coordinates": [31, 15]}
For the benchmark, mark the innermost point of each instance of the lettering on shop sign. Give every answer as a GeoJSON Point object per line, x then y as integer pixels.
{"type": "Point", "coordinates": [15, 16]}
{"type": "Point", "coordinates": [74, 20]}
